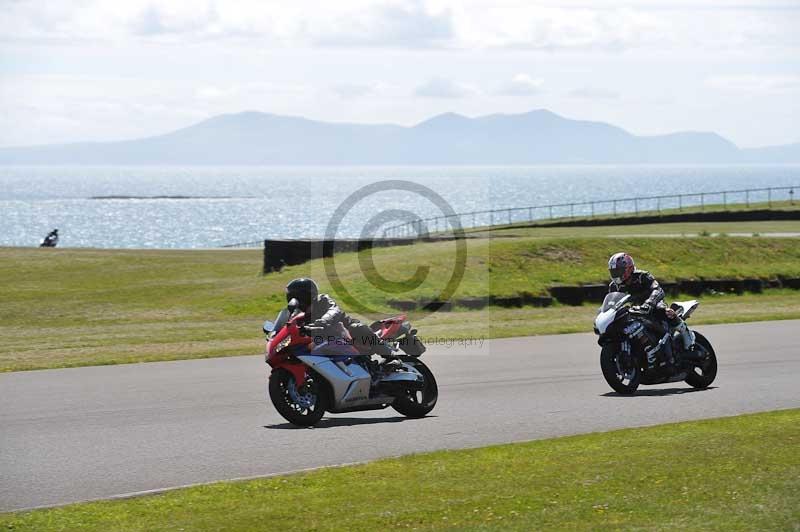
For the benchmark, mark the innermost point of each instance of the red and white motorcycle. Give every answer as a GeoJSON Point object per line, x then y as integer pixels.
{"type": "Point", "coordinates": [309, 379]}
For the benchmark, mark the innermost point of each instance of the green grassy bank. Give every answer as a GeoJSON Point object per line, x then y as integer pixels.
{"type": "Point", "coordinates": [739, 473]}
{"type": "Point", "coordinates": [68, 307]}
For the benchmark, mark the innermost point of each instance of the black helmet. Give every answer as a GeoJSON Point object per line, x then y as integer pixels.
{"type": "Point", "coordinates": [303, 290]}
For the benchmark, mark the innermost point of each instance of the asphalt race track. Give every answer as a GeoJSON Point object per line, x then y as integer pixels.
{"type": "Point", "coordinates": [87, 433]}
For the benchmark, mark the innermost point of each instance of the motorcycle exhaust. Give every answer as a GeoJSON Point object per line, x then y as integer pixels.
{"type": "Point", "coordinates": [400, 387]}
{"type": "Point", "coordinates": [693, 356]}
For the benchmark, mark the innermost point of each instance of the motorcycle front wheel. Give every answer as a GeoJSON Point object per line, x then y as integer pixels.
{"type": "Point", "coordinates": [302, 407]}
{"type": "Point", "coordinates": [418, 403]}
{"type": "Point", "coordinates": [703, 374]}
{"type": "Point", "coordinates": [623, 378]}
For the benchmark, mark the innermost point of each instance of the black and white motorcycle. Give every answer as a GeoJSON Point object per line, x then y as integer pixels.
{"type": "Point", "coordinates": [637, 348]}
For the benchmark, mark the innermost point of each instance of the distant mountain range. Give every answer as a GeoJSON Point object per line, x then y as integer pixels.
{"type": "Point", "coordinates": [536, 137]}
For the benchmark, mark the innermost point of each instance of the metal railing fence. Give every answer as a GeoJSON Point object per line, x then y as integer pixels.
{"type": "Point", "coordinates": [593, 209]}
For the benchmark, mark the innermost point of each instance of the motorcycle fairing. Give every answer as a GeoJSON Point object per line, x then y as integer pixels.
{"type": "Point", "coordinates": [350, 383]}
{"type": "Point", "coordinates": [604, 320]}
{"type": "Point", "coordinates": [409, 375]}
{"type": "Point", "coordinates": [611, 310]}
{"type": "Point", "coordinates": [298, 371]}
{"type": "Point", "coordinates": [335, 349]}
{"type": "Point", "coordinates": [282, 347]}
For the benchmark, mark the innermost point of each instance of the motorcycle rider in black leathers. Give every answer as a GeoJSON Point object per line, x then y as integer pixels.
{"type": "Point", "coordinates": [51, 240]}
{"type": "Point", "coordinates": [646, 294]}
{"type": "Point", "coordinates": [324, 318]}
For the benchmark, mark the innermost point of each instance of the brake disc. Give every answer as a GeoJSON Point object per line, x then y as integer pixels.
{"type": "Point", "coordinates": [304, 400]}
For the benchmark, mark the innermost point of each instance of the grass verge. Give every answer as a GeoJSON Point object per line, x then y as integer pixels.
{"type": "Point", "coordinates": [737, 473]}
{"type": "Point", "coordinates": [656, 229]}
{"type": "Point", "coordinates": [75, 307]}
{"type": "Point", "coordinates": [495, 322]}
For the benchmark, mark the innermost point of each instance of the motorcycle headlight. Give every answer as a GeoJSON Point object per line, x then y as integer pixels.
{"type": "Point", "coordinates": [283, 344]}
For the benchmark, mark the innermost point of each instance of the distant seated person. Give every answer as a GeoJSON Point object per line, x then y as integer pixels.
{"type": "Point", "coordinates": [51, 240]}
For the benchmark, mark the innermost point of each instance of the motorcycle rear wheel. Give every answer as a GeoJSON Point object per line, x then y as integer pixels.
{"type": "Point", "coordinates": [419, 403]}
{"type": "Point", "coordinates": [305, 413]}
{"type": "Point", "coordinates": [702, 376]}
{"type": "Point", "coordinates": [624, 381]}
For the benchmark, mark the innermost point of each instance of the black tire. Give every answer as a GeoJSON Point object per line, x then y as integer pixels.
{"type": "Point", "coordinates": [419, 403]}
{"type": "Point", "coordinates": [615, 375]}
{"type": "Point", "coordinates": [303, 415]}
{"type": "Point", "coordinates": [701, 376]}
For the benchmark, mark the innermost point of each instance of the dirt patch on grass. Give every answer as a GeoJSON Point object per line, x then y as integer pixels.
{"type": "Point", "coordinates": [555, 253]}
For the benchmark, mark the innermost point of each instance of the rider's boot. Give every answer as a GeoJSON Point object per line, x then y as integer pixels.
{"type": "Point", "coordinates": [389, 361]}
{"type": "Point", "coordinates": [382, 350]}
{"type": "Point", "coordinates": [372, 365]}
{"type": "Point", "coordinates": [687, 336]}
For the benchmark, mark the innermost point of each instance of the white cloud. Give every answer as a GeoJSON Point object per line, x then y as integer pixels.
{"type": "Point", "coordinates": [443, 88]}
{"type": "Point", "coordinates": [247, 90]}
{"type": "Point", "coordinates": [537, 27]}
{"type": "Point", "coordinates": [410, 24]}
{"type": "Point", "coordinates": [213, 93]}
{"type": "Point", "coordinates": [407, 25]}
{"type": "Point", "coordinates": [353, 91]}
{"type": "Point", "coordinates": [521, 85]}
{"type": "Point", "coordinates": [593, 93]}
{"type": "Point", "coordinates": [108, 69]}
{"type": "Point", "coordinates": [44, 109]}
{"type": "Point", "coordinates": [356, 23]}
{"type": "Point", "coordinates": [755, 84]}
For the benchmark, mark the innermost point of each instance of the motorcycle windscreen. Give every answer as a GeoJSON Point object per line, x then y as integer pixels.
{"type": "Point", "coordinates": [280, 321]}
{"type": "Point", "coordinates": [612, 299]}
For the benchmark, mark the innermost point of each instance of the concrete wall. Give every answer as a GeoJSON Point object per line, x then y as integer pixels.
{"type": "Point", "coordinates": [717, 216]}
{"type": "Point", "coordinates": [280, 253]}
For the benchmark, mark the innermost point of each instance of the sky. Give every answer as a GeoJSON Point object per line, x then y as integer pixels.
{"type": "Point", "coordinates": [98, 70]}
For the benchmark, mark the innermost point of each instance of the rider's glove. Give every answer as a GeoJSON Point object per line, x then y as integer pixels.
{"type": "Point", "coordinates": [311, 330]}
{"type": "Point", "coordinates": [642, 309]}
